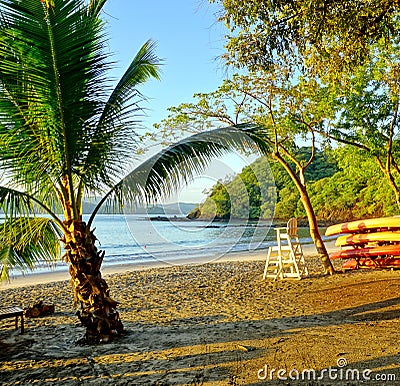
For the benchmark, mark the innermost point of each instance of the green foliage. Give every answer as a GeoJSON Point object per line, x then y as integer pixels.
{"type": "Point", "coordinates": [250, 194]}
{"type": "Point", "coordinates": [218, 204]}
{"type": "Point", "coordinates": [345, 184]}
{"type": "Point", "coordinates": [323, 164]}
{"type": "Point", "coordinates": [325, 36]}
{"type": "Point", "coordinates": [27, 241]}
{"type": "Point", "coordinates": [367, 107]}
{"type": "Point", "coordinates": [345, 56]}
{"type": "Point", "coordinates": [357, 190]}
{"type": "Point", "coordinates": [288, 198]}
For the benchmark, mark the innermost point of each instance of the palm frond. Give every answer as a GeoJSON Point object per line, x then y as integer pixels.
{"type": "Point", "coordinates": [26, 242]}
{"type": "Point", "coordinates": [52, 84]}
{"type": "Point", "coordinates": [114, 140]}
{"type": "Point", "coordinates": [95, 7]}
{"type": "Point", "coordinates": [14, 203]}
{"type": "Point", "coordinates": [19, 204]}
{"type": "Point", "coordinates": [164, 172]}
{"type": "Point", "coordinates": [143, 66]}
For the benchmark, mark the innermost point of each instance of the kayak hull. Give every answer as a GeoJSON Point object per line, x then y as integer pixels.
{"type": "Point", "coordinates": [386, 250]}
{"type": "Point", "coordinates": [365, 238]}
{"type": "Point", "coordinates": [360, 226]}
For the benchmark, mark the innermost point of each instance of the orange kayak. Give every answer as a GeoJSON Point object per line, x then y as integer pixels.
{"type": "Point", "coordinates": [359, 226]}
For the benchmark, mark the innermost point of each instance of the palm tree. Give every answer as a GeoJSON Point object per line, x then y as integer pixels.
{"type": "Point", "coordinates": [64, 133]}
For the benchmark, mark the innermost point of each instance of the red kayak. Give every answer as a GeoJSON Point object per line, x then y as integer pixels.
{"type": "Point", "coordinates": [385, 250]}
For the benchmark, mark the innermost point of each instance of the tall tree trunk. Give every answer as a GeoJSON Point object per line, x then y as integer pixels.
{"type": "Point", "coordinates": [312, 220]}
{"type": "Point", "coordinates": [97, 311]}
{"type": "Point", "coordinates": [315, 233]}
{"type": "Point", "coordinates": [387, 171]}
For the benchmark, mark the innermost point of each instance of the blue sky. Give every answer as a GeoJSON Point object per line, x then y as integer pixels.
{"type": "Point", "coordinates": [188, 38]}
{"type": "Point", "coordinates": [190, 41]}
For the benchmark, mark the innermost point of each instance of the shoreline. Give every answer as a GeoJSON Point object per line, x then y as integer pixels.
{"type": "Point", "coordinates": [34, 278]}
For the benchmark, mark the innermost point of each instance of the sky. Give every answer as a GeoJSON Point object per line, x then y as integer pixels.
{"type": "Point", "coordinates": [188, 38]}
{"type": "Point", "coordinates": [190, 41]}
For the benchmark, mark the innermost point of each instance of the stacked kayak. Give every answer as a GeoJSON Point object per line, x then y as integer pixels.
{"type": "Point", "coordinates": [370, 243]}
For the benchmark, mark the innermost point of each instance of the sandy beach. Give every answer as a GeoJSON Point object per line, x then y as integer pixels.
{"type": "Point", "coordinates": [213, 323]}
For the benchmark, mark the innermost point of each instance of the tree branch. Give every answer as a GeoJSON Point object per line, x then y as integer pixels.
{"type": "Point", "coordinates": [390, 139]}
{"type": "Point", "coordinates": [342, 140]}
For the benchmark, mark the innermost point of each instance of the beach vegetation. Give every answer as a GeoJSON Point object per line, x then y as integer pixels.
{"type": "Point", "coordinates": [349, 50]}
{"type": "Point", "coordinates": [307, 44]}
{"type": "Point", "coordinates": [356, 191]}
{"type": "Point", "coordinates": [367, 111]}
{"type": "Point", "coordinates": [68, 131]}
{"type": "Point", "coordinates": [249, 195]}
{"type": "Point", "coordinates": [345, 184]}
{"type": "Point", "coordinates": [315, 36]}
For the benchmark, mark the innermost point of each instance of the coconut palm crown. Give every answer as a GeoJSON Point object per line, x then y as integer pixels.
{"type": "Point", "coordinates": [65, 132]}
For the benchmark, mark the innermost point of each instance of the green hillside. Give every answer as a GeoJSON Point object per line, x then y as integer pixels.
{"type": "Point", "coordinates": [340, 189]}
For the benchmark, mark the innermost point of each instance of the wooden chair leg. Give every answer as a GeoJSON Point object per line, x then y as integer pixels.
{"type": "Point", "coordinates": [22, 323]}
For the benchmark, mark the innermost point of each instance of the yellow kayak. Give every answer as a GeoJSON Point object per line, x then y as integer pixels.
{"type": "Point", "coordinates": [360, 226]}
{"type": "Point", "coordinates": [365, 238]}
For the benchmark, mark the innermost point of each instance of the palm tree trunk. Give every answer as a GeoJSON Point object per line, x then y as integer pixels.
{"type": "Point", "coordinates": [97, 311]}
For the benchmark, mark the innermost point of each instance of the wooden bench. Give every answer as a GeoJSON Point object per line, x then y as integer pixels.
{"type": "Point", "coordinates": [13, 312]}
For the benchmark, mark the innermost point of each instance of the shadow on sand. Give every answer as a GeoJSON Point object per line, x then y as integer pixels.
{"type": "Point", "coordinates": [207, 350]}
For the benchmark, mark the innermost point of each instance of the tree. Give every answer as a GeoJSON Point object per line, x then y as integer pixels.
{"type": "Point", "coordinates": [249, 195]}
{"type": "Point", "coordinates": [357, 190]}
{"type": "Point", "coordinates": [218, 204]}
{"type": "Point", "coordinates": [317, 35]}
{"type": "Point", "coordinates": [64, 133]}
{"type": "Point", "coordinates": [367, 108]}
{"type": "Point", "coordinates": [272, 102]}
{"type": "Point", "coordinates": [344, 184]}
{"type": "Point", "coordinates": [342, 43]}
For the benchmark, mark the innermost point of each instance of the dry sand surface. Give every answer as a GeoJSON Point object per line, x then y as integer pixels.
{"type": "Point", "coordinates": [215, 324]}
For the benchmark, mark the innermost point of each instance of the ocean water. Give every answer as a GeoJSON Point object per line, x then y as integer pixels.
{"type": "Point", "coordinates": [130, 239]}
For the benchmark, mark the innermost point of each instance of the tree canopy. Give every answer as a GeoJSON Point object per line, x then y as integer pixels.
{"type": "Point", "coordinates": [315, 34]}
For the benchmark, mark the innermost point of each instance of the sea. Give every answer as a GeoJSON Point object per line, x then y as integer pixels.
{"type": "Point", "coordinates": [140, 239]}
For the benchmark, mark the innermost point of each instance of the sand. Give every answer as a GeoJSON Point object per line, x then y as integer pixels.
{"type": "Point", "coordinates": [214, 324]}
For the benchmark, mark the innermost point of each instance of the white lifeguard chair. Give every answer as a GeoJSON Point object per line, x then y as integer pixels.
{"type": "Point", "coordinates": [286, 259]}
